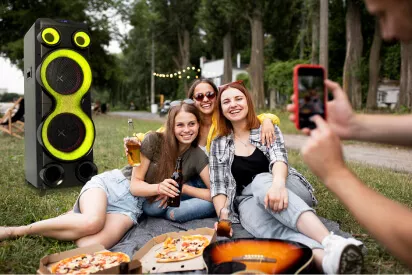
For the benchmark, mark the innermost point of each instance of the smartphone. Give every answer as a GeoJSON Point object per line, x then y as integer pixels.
{"type": "Point", "coordinates": [310, 94]}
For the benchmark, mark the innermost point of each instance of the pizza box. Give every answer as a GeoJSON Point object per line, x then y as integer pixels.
{"type": "Point", "coordinates": [49, 260]}
{"type": "Point", "coordinates": [146, 255]}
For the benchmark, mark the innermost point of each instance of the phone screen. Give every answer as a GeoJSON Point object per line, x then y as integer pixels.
{"type": "Point", "coordinates": [311, 95]}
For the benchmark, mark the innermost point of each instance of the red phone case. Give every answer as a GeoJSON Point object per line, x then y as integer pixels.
{"type": "Point", "coordinates": [296, 89]}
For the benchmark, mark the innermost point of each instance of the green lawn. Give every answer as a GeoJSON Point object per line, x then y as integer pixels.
{"type": "Point", "coordinates": [21, 204]}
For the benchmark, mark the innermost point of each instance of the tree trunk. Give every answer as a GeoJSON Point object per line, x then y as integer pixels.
{"type": "Point", "coordinates": [374, 68]}
{"type": "Point", "coordinates": [256, 59]}
{"type": "Point", "coordinates": [227, 56]}
{"type": "Point", "coordinates": [183, 38]}
{"type": "Point", "coordinates": [354, 45]}
{"type": "Point", "coordinates": [315, 32]}
{"type": "Point", "coordinates": [324, 34]}
{"type": "Point", "coordinates": [405, 95]}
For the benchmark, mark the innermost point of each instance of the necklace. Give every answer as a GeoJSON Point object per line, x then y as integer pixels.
{"type": "Point", "coordinates": [246, 144]}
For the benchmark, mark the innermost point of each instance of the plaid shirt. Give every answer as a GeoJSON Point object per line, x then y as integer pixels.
{"type": "Point", "coordinates": [221, 158]}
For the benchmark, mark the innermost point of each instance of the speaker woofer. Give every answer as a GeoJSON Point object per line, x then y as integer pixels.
{"type": "Point", "coordinates": [66, 132]}
{"type": "Point", "coordinates": [64, 75]}
{"type": "Point", "coordinates": [52, 174]}
{"type": "Point", "coordinates": [85, 171]}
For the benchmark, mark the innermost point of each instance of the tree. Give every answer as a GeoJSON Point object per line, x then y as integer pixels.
{"type": "Point", "coordinates": [354, 47]}
{"type": "Point", "coordinates": [315, 32]}
{"type": "Point", "coordinates": [324, 34]}
{"type": "Point", "coordinates": [405, 95]}
{"type": "Point", "coordinates": [374, 68]}
{"type": "Point", "coordinates": [218, 18]}
{"type": "Point", "coordinates": [17, 16]}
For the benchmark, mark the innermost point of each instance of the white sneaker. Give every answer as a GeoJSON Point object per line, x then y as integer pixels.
{"type": "Point", "coordinates": [342, 256]}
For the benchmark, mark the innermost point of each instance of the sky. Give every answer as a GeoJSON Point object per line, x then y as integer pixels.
{"type": "Point", "coordinates": [12, 79]}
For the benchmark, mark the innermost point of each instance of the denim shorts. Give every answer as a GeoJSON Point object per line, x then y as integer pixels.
{"type": "Point", "coordinates": [119, 198]}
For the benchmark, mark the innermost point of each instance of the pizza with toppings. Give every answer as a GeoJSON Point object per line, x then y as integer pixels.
{"type": "Point", "coordinates": [183, 248]}
{"type": "Point", "coordinates": [89, 263]}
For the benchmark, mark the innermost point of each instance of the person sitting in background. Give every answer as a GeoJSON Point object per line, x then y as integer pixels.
{"type": "Point", "coordinates": [262, 192]}
{"type": "Point", "coordinates": [388, 221]}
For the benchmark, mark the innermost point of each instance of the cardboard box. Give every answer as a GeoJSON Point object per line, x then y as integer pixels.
{"type": "Point", "coordinates": [146, 255]}
{"type": "Point", "coordinates": [47, 261]}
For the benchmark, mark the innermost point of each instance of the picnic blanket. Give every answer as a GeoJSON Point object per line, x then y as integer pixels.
{"type": "Point", "coordinates": [150, 227]}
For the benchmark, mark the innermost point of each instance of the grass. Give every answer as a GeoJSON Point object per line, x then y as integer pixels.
{"type": "Point", "coordinates": [21, 204]}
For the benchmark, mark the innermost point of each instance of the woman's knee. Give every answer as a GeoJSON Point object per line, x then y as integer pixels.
{"type": "Point", "coordinates": [153, 209]}
{"type": "Point", "coordinates": [261, 184]}
{"type": "Point", "coordinates": [93, 225]}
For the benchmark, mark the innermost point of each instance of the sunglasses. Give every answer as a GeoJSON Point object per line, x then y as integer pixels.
{"type": "Point", "coordinates": [223, 87]}
{"type": "Point", "coordinates": [180, 102]}
{"type": "Point", "coordinates": [201, 96]}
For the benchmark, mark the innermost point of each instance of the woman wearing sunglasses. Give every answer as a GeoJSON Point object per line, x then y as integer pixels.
{"type": "Point", "coordinates": [256, 187]}
{"type": "Point", "coordinates": [158, 154]}
{"type": "Point", "coordinates": [204, 93]}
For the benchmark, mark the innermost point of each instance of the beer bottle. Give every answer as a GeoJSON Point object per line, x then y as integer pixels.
{"type": "Point", "coordinates": [177, 176]}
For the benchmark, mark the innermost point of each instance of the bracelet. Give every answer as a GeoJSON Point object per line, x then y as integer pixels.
{"type": "Point", "coordinates": [158, 189]}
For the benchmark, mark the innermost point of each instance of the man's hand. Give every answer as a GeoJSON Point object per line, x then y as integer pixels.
{"type": "Point", "coordinates": [339, 112]}
{"type": "Point", "coordinates": [277, 197]}
{"type": "Point", "coordinates": [323, 152]}
{"type": "Point", "coordinates": [268, 132]}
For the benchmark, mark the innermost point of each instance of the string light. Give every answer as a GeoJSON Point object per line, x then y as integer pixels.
{"type": "Point", "coordinates": [186, 71]}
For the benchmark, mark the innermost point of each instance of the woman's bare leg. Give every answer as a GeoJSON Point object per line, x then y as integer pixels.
{"type": "Point", "coordinates": [71, 226]}
{"type": "Point", "coordinates": [114, 229]}
{"type": "Point", "coordinates": [310, 225]}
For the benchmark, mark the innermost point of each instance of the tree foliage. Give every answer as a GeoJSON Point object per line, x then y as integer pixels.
{"type": "Point", "coordinates": [17, 16]}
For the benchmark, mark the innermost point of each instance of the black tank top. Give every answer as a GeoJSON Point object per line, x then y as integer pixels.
{"type": "Point", "coordinates": [244, 169]}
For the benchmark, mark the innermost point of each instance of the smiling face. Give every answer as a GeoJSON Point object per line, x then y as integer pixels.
{"type": "Point", "coordinates": [206, 106]}
{"type": "Point", "coordinates": [186, 127]}
{"type": "Point", "coordinates": [394, 17]}
{"type": "Point", "coordinates": [234, 105]}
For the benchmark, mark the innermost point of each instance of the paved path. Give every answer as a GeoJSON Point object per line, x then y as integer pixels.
{"type": "Point", "coordinates": [397, 159]}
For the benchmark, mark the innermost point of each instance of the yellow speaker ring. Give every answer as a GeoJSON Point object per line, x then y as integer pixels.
{"type": "Point", "coordinates": [68, 104]}
{"type": "Point", "coordinates": [77, 58]}
{"type": "Point", "coordinates": [50, 36]}
{"type": "Point", "coordinates": [81, 39]}
{"type": "Point", "coordinates": [85, 146]}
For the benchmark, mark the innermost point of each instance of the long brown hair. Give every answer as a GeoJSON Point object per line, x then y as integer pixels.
{"type": "Point", "coordinates": [224, 126]}
{"type": "Point", "coordinates": [192, 88]}
{"type": "Point", "coordinates": [169, 148]}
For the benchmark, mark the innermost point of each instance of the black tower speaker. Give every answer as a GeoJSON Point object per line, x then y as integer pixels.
{"type": "Point", "coordinates": [59, 131]}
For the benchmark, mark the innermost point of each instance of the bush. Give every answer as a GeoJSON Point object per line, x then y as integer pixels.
{"type": "Point", "coordinates": [278, 76]}
{"type": "Point", "coordinates": [245, 78]}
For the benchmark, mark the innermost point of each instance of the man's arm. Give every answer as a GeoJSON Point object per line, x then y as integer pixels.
{"type": "Point", "coordinates": [388, 221]}
{"type": "Point", "coordinates": [390, 129]}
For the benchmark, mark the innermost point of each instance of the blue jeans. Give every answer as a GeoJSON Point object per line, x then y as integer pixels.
{"type": "Point", "coordinates": [264, 223]}
{"type": "Point", "coordinates": [190, 208]}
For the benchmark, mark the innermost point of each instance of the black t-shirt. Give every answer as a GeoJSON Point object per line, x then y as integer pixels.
{"type": "Point", "coordinates": [244, 169]}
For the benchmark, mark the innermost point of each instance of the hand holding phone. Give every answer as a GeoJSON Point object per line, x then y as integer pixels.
{"type": "Point", "coordinates": [310, 94]}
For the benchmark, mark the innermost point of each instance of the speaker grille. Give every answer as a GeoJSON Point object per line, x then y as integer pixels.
{"type": "Point", "coordinates": [64, 75]}
{"type": "Point", "coordinates": [66, 132]}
